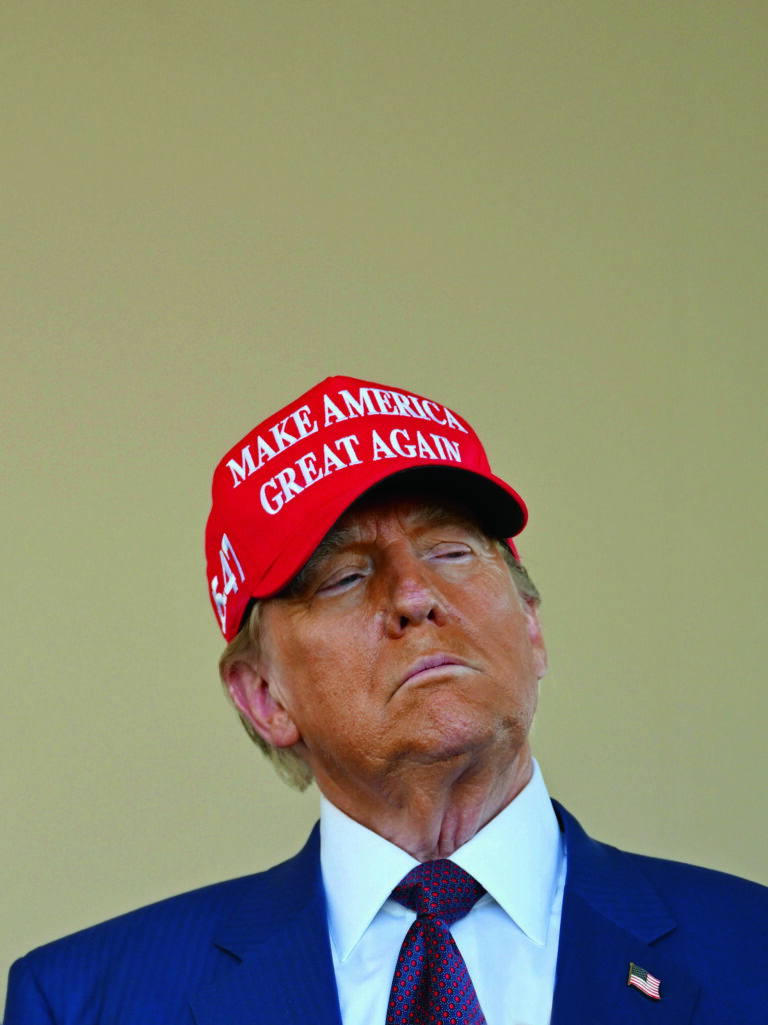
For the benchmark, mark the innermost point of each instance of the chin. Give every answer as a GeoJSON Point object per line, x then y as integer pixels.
{"type": "Point", "coordinates": [446, 741]}
{"type": "Point", "coordinates": [449, 726]}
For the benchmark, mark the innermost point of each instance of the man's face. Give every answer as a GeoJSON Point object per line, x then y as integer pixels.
{"type": "Point", "coordinates": [403, 644]}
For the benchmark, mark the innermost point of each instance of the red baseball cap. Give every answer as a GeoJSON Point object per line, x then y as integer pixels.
{"type": "Point", "coordinates": [278, 492]}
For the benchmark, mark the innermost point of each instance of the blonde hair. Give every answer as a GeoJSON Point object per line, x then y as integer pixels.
{"type": "Point", "coordinates": [244, 647]}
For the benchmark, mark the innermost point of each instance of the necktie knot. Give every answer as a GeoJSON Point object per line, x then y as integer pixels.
{"type": "Point", "coordinates": [438, 889]}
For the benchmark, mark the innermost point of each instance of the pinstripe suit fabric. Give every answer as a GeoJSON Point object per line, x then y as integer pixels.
{"type": "Point", "coordinates": [255, 951]}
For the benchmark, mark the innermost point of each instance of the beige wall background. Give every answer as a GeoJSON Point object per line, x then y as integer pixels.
{"type": "Point", "coordinates": [550, 216]}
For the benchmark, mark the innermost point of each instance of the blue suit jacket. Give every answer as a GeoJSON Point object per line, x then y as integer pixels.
{"type": "Point", "coordinates": [256, 951]}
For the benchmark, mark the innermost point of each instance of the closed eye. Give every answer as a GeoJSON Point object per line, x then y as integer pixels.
{"type": "Point", "coordinates": [451, 552]}
{"type": "Point", "coordinates": [340, 582]}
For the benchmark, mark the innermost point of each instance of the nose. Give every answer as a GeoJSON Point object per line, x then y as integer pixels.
{"type": "Point", "coordinates": [413, 598]}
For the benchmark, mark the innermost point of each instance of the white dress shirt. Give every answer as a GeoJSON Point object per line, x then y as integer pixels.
{"type": "Point", "coordinates": [508, 940]}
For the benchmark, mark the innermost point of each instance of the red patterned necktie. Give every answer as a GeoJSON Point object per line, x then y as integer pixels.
{"type": "Point", "coordinates": [431, 982]}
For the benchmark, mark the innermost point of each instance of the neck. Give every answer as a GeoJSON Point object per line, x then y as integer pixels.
{"type": "Point", "coordinates": [431, 811]}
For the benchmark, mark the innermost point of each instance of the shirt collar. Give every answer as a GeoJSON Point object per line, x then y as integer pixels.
{"type": "Point", "coordinates": [517, 857]}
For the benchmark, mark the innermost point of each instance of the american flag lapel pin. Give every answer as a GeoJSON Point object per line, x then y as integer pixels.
{"type": "Point", "coordinates": [644, 981]}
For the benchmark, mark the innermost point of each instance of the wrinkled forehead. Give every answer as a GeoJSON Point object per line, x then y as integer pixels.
{"type": "Point", "coordinates": [412, 507]}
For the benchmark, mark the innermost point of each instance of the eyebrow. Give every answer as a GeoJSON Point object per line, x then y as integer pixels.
{"type": "Point", "coordinates": [337, 538]}
{"type": "Point", "coordinates": [341, 535]}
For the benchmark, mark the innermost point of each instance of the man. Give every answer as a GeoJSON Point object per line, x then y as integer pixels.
{"type": "Point", "coordinates": [384, 639]}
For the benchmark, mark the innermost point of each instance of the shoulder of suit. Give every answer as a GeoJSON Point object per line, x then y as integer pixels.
{"type": "Point", "coordinates": [178, 918]}
{"type": "Point", "coordinates": [713, 912]}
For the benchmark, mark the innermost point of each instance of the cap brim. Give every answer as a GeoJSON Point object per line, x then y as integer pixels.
{"type": "Point", "coordinates": [500, 509]}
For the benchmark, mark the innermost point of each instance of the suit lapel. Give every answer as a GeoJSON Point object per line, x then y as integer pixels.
{"type": "Point", "coordinates": [613, 916]}
{"type": "Point", "coordinates": [282, 967]}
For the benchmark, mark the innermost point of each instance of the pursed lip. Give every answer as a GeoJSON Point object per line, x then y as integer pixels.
{"type": "Point", "coordinates": [428, 662]}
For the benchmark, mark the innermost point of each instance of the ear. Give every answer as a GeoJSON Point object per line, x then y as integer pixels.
{"type": "Point", "coordinates": [255, 700]}
{"type": "Point", "coordinates": [536, 637]}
